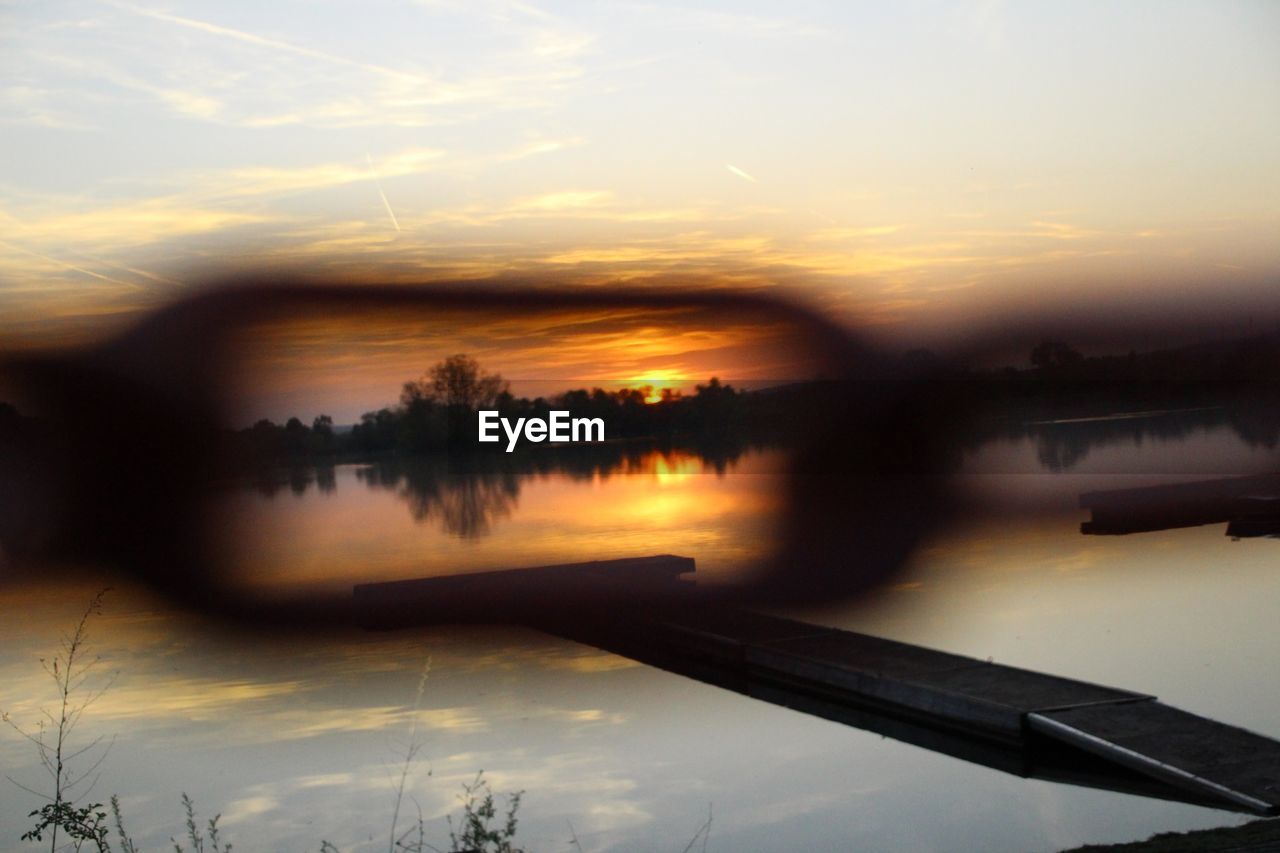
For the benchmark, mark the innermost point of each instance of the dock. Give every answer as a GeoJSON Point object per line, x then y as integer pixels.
{"type": "Point", "coordinates": [1250, 506]}
{"type": "Point", "coordinates": [1012, 719]}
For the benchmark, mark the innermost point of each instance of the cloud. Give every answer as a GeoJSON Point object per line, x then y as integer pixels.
{"type": "Point", "coordinates": [269, 180]}
{"type": "Point", "coordinates": [78, 74]}
{"type": "Point", "coordinates": [212, 201]}
{"type": "Point", "coordinates": [987, 21]}
{"type": "Point", "coordinates": [840, 234]}
{"type": "Point", "coordinates": [129, 224]}
{"type": "Point", "coordinates": [279, 45]}
{"type": "Point", "coordinates": [345, 90]}
{"type": "Point", "coordinates": [725, 23]}
{"type": "Point", "coordinates": [564, 200]}
{"type": "Point", "coordinates": [30, 105]}
{"type": "Point", "coordinates": [68, 265]}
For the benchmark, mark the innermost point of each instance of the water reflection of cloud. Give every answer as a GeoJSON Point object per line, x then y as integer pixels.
{"type": "Point", "coordinates": [189, 698]}
{"type": "Point", "coordinates": [629, 755]}
{"type": "Point", "coordinates": [286, 695]}
{"type": "Point", "coordinates": [572, 658]}
{"type": "Point", "coordinates": [318, 721]}
{"type": "Point", "coordinates": [247, 808]}
{"type": "Point", "coordinates": [325, 780]}
{"type": "Point", "coordinates": [415, 518]}
{"type": "Point", "coordinates": [281, 695]}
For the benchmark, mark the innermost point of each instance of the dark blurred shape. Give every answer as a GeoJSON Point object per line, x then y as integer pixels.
{"type": "Point", "coordinates": [1258, 517]}
{"type": "Point", "coordinates": [130, 443]}
{"type": "Point", "coordinates": [120, 448]}
{"type": "Point", "coordinates": [1054, 356]}
{"type": "Point", "coordinates": [543, 595]}
{"type": "Point", "coordinates": [1249, 505]}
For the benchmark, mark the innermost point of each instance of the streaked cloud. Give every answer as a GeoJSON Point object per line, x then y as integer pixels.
{"type": "Point", "coordinates": [840, 234]}
{"type": "Point", "coordinates": [297, 79]}
{"type": "Point", "coordinates": [273, 44]}
{"type": "Point", "coordinates": [273, 180]}
{"type": "Point", "coordinates": [129, 224]}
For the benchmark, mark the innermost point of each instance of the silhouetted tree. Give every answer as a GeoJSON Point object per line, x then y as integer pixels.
{"type": "Point", "coordinates": [460, 387]}
{"type": "Point", "coordinates": [713, 408]}
{"type": "Point", "coordinates": [376, 431]}
{"type": "Point", "coordinates": [1054, 355]}
{"type": "Point", "coordinates": [459, 382]}
{"type": "Point", "coordinates": [296, 437]}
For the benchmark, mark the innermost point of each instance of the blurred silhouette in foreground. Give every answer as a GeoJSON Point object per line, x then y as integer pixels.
{"type": "Point", "coordinates": [120, 448]}
{"type": "Point", "coordinates": [129, 441]}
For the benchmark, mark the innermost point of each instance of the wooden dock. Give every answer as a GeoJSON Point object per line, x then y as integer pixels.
{"type": "Point", "coordinates": [1013, 719]}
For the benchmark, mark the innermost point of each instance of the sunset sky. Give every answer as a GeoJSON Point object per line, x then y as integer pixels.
{"type": "Point", "coordinates": [347, 365]}
{"type": "Point", "coordinates": [918, 168]}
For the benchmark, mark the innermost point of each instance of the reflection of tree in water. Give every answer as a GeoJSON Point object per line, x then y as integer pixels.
{"type": "Point", "coordinates": [467, 495]}
{"type": "Point", "coordinates": [326, 481]}
{"type": "Point", "coordinates": [1062, 446]}
{"type": "Point", "coordinates": [465, 504]}
{"type": "Point", "coordinates": [1257, 423]}
{"type": "Point", "coordinates": [298, 478]}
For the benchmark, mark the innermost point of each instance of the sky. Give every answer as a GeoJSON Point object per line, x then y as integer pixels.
{"type": "Point", "coordinates": [925, 171]}
{"type": "Point", "coordinates": [307, 365]}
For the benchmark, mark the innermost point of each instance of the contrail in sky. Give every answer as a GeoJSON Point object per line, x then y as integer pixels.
{"type": "Point", "coordinates": [72, 266]}
{"type": "Point", "coordinates": [270, 43]}
{"type": "Point", "coordinates": [378, 183]}
{"type": "Point", "coordinates": [740, 173]}
{"type": "Point", "coordinates": [23, 227]}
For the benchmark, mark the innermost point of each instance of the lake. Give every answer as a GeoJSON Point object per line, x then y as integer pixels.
{"type": "Point", "coordinates": [295, 742]}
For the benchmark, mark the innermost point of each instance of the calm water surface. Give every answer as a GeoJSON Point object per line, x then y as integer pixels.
{"type": "Point", "coordinates": [295, 743]}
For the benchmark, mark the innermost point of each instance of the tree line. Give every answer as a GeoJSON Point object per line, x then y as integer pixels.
{"type": "Point", "coordinates": [438, 411]}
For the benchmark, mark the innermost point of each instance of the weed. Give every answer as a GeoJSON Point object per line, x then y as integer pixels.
{"type": "Point", "coordinates": [703, 833]}
{"type": "Point", "coordinates": [195, 836]}
{"type": "Point", "coordinates": [411, 753]}
{"type": "Point", "coordinates": [83, 824]}
{"type": "Point", "coordinates": [70, 670]}
{"type": "Point", "coordinates": [478, 812]}
{"type": "Point", "coordinates": [475, 830]}
{"type": "Point", "coordinates": [126, 843]}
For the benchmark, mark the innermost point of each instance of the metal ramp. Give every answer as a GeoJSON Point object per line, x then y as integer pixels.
{"type": "Point", "coordinates": [1182, 749]}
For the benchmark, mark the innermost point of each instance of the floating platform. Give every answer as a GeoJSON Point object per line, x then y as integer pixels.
{"type": "Point", "coordinates": [1249, 505]}
{"type": "Point", "coordinates": [1013, 719]}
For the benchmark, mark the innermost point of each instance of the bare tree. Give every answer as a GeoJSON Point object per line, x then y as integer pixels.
{"type": "Point", "coordinates": [458, 382]}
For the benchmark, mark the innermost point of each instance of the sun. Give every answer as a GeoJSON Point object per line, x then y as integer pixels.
{"type": "Point", "coordinates": [656, 381]}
